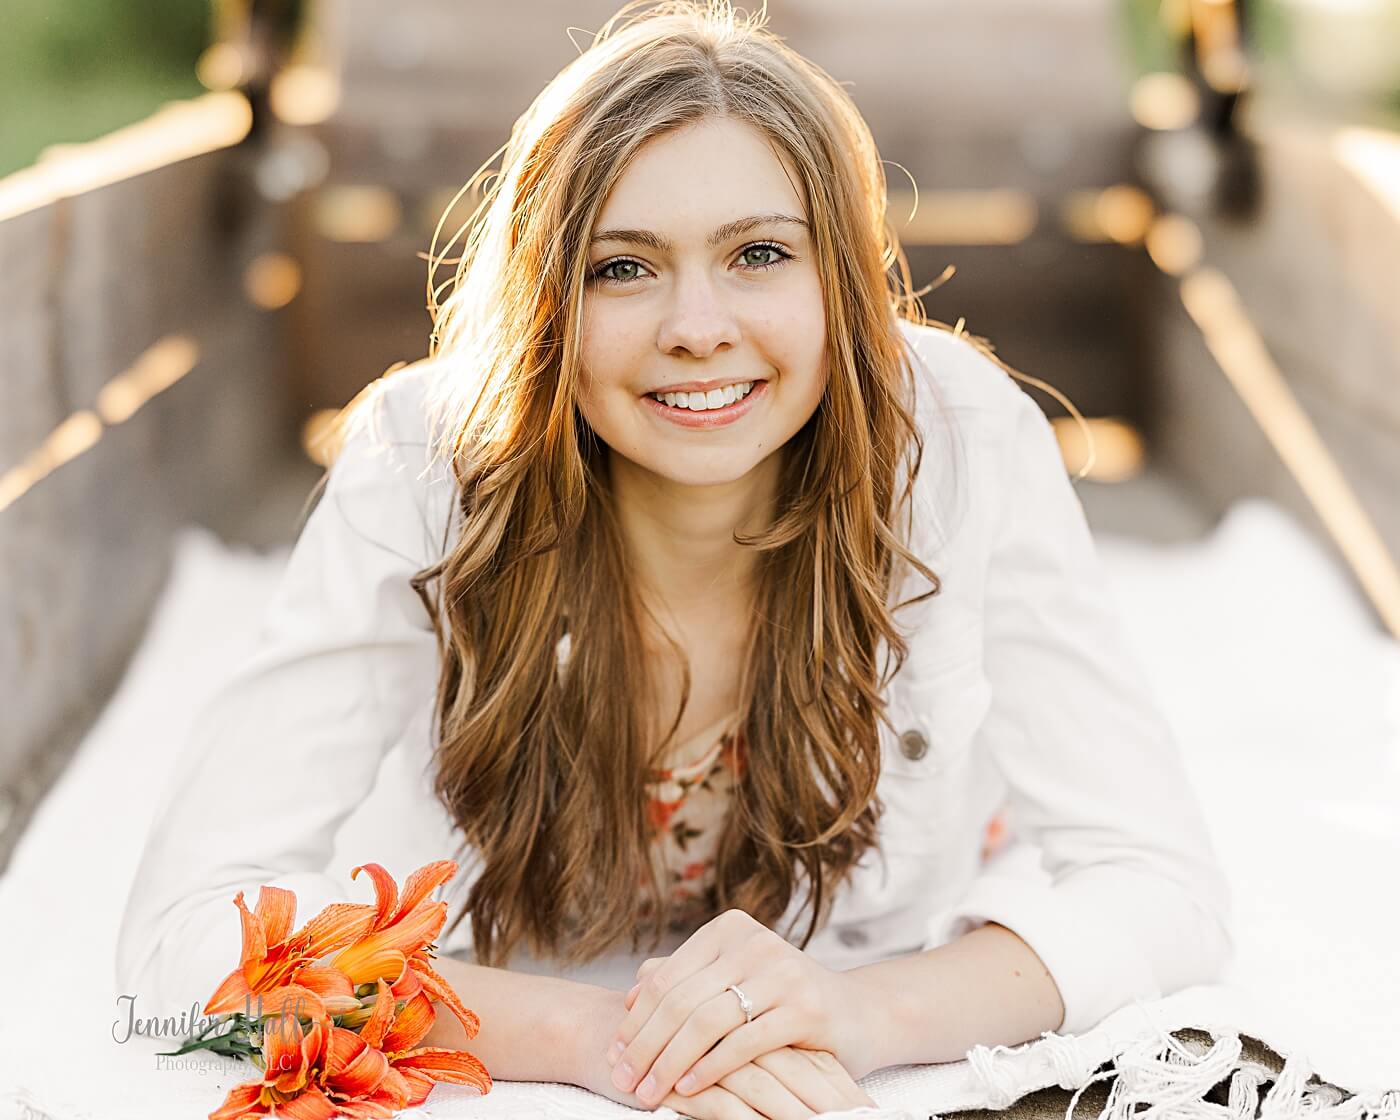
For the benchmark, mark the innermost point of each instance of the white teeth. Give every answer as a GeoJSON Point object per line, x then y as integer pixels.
{"type": "Point", "coordinates": [703, 402]}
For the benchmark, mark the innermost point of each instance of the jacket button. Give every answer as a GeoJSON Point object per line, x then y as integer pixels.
{"type": "Point", "coordinates": [852, 936]}
{"type": "Point", "coordinates": [913, 744]}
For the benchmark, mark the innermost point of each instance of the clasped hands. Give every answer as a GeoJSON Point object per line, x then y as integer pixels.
{"type": "Point", "coordinates": [684, 1031]}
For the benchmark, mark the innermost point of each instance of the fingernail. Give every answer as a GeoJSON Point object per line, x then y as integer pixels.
{"type": "Point", "coordinates": [647, 1087]}
{"type": "Point", "coordinates": [622, 1075]}
{"type": "Point", "coordinates": [615, 1052]}
{"type": "Point", "coordinates": [686, 1083]}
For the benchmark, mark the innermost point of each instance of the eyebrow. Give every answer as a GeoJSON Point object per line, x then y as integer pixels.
{"type": "Point", "coordinates": [722, 234]}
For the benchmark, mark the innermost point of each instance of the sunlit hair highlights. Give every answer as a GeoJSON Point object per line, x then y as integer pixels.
{"type": "Point", "coordinates": [542, 760]}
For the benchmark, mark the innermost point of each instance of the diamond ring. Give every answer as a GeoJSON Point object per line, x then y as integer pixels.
{"type": "Point", "coordinates": [743, 1002]}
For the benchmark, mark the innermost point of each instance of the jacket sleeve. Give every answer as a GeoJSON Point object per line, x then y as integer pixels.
{"type": "Point", "coordinates": [293, 741]}
{"type": "Point", "coordinates": [1112, 879]}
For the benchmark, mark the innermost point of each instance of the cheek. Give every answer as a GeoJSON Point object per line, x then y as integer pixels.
{"type": "Point", "coordinates": [604, 350]}
{"type": "Point", "coordinates": [610, 334]}
{"type": "Point", "coordinates": [797, 337]}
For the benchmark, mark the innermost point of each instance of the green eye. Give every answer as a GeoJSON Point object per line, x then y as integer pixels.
{"type": "Point", "coordinates": [622, 262]}
{"type": "Point", "coordinates": [602, 274]}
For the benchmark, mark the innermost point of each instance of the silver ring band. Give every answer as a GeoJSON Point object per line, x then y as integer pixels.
{"type": "Point", "coordinates": [743, 1002]}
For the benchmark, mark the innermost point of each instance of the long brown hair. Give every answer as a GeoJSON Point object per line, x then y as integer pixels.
{"type": "Point", "coordinates": [541, 758]}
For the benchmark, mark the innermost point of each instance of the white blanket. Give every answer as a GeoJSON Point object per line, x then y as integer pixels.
{"type": "Point", "coordinates": [1285, 694]}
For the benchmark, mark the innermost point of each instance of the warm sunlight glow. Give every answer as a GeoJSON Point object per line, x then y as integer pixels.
{"type": "Point", "coordinates": [1212, 302]}
{"type": "Point", "coordinates": [272, 280]}
{"type": "Point", "coordinates": [361, 214]}
{"type": "Point", "coordinates": [319, 438]}
{"type": "Point", "coordinates": [990, 217]}
{"type": "Point", "coordinates": [1373, 157]}
{"type": "Point", "coordinates": [153, 372]}
{"type": "Point", "coordinates": [220, 66]}
{"type": "Point", "coordinates": [65, 443]}
{"type": "Point", "coordinates": [1120, 213]}
{"type": "Point", "coordinates": [180, 130]}
{"type": "Point", "coordinates": [1117, 446]}
{"type": "Point", "coordinates": [304, 94]}
{"type": "Point", "coordinates": [1164, 101]}
{"type": "Point", "coordinates": [1174, 243]}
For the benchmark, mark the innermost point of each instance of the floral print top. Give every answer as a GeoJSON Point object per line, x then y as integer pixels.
{"type": "Point", "coordinates": [687, 807]}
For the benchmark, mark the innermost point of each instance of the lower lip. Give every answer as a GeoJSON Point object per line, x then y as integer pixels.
{"type": "Point", "coordinates": [710, 417]}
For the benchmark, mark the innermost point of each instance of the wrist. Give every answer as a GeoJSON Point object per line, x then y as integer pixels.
{"type": "Point", "coordinates": [883, 1021]}
{"type": "Point", "coordinates": [584, 1027]}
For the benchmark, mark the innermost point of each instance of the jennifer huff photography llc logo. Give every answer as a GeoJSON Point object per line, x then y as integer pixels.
{"type": "Point", "coordinates": [235, 1035]}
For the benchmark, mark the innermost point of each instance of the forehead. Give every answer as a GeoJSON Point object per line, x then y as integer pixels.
{"type": "Point", "coordinates": [690, 180]}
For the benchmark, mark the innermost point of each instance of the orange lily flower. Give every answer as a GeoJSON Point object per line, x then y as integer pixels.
{"type": "Point", "coordinates": [398, 1032]}
{"type": "Point", "coordinates": [293, 1059]}
{"type": "Point", "coordinates": [272, 954]}
{"type": "Point", "coordinates": [396, 947]}
{"type": "Point", "coordinates": [402, 926]}
{"type": "Point", "coordinates": [323, 1071]}
{"type": "Point", "coordinates": [331, 1071]}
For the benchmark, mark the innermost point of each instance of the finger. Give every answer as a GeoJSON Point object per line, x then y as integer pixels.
{"type": "Point", "coordinates": [715, 1103]}
{"type": "Point", "coordinates": [766, 1094]}
{"type": "Point", "coordinates": [778, 1026]}
{"type": "Point", "coordinates": [690, 1021]}
{"type": "Point", "coordinates": [823, 1085]}
{"type": "Point", "coordinates": [657, 1015]}
{"type": "Point", "coordinates": [657, 975]}
{"type": "Point", "coordinates": [697, 952]}
{"type": "Point", "coordinates": [850, 1088]}
{"type": "Point", "coordinates": [631, 996]}
{"type": "Point", "coordinates": [648, 966]}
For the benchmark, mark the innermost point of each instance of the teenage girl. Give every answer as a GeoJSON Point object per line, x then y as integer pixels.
{"type": "Point", "coordinates": [730, 612]}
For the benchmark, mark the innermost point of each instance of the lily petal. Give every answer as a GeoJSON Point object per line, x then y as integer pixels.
{"type": "Point", "coordinates": [313, 1046]}
{"type": "Point", "coordinates": [229, 995]}
{"type": "Point", "coordinates": [286, 1066]}
{"type": "Point", "coordinates": [242, 1100]}
{"type": "Point", "coordinates": [312, 1104]}
{"type": "Point", "coordinates": [423, 882]}
{"type": "Point", "coordinates": [410, 1025]}
{"type": "Point", "coordinates": [363, 1074]}
{"type": "Point", "coordinates": [276, 910]}
{"type": "Point", "coordinates": [294, 1002]}
{"type": "Point", "coordinates": [381, 1018]}
{"type": "Point", "coordinates": [386, 892]}
{"type": "Point", "coordinates": [324, 981]}
{"type": "Point", "coordinates": [365, 1109]}
{"type": "Point", "coordinates": [254, 940]}
{"type": "Point", "coordinates": [438, 987]}
{"type": "Point", "coordinates": [369, 960]}
{"type": "Point", "coordinates": [394, 1090]}
{"type": "Point", "coordinates": [338, 925]}
{"type": "Point", "coordinates": [417, 929]}
{"type": "Point", "coordinates": [407, 986]}
{"type": "Point", "coordinates": [344, 1047]}
{"type": "Point", "coordinates": [441, 1064]}
{"type": "Point", "coordinates": [420, 1085]}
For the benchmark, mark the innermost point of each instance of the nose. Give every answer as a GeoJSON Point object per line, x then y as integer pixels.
{"type": "Point", "coordinates": [698, 319]}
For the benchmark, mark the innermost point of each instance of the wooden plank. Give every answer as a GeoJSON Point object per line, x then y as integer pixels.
{"type": "Point", "coordinates": [32, 403]}
{"type": "Point", "coordinates": [85, 551]}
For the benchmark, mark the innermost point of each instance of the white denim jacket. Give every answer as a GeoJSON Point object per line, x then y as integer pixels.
{"type": "Point", "coordinates": [1019, 689]}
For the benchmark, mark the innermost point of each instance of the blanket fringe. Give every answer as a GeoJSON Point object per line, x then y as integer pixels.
{"type": "Point", "coordinates": [1188, 1074]}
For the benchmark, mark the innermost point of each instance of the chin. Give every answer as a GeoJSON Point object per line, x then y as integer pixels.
{"type": "Point", "coordinates": [726, 469]}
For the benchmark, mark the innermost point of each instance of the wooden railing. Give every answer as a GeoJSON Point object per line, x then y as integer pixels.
{"type": "Point", "coordinates": [141, 389]}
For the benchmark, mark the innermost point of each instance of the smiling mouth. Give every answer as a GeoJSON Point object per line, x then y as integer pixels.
{"type": "Point", "coordinates": [698, 401]}
{"type": "Point", "coordinates": [721, 415]}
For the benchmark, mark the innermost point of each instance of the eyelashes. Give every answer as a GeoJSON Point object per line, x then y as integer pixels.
{"type": "Point", "coordinates": [783, 256]}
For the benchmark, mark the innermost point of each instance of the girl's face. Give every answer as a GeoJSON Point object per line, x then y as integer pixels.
{"type": "Point", "coordinates": [702, 284]}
